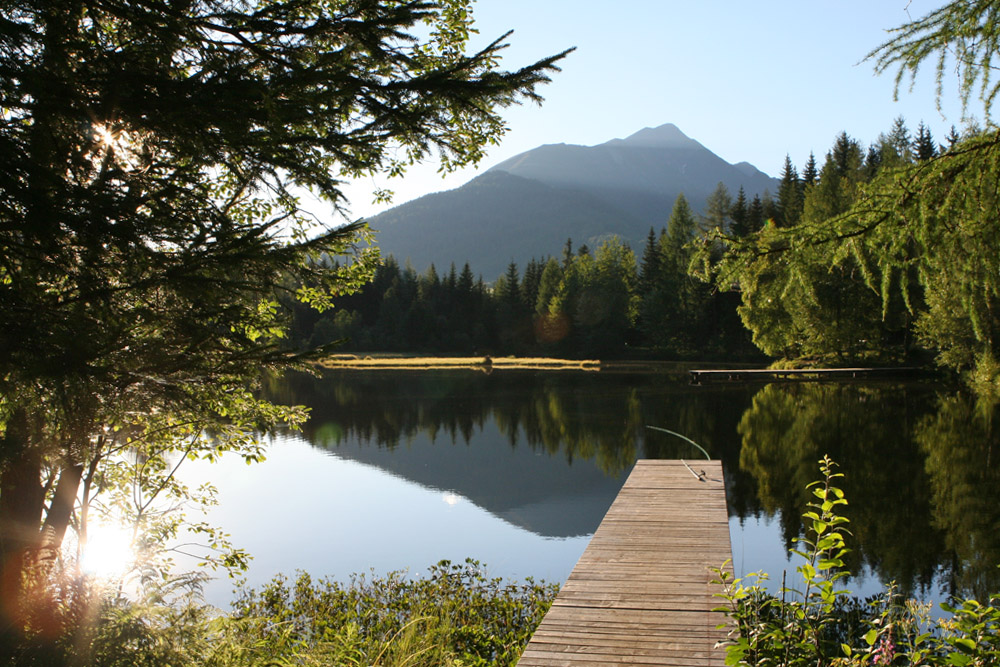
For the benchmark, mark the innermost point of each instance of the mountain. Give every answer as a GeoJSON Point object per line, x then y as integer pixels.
{"type": "Point", "coordinates": [528, 205]}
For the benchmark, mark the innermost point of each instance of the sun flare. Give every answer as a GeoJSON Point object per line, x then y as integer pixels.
{"type": "Point", "coordinates": [104, 135]}
{"type": "Point", "coordinates": [109, 552]}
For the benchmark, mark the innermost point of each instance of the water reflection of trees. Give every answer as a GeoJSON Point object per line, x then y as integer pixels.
{"type": "Point", "coordinates": [920, 470]}
{"type": "Point", "coordinates": [576, 416]}
{"type": "Point", "coordinates": [960, 446]}
{"type": "Point", "coordinates": [918, 473]}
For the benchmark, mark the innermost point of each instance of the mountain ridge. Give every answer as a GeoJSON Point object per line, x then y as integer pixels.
{"type": "Point", "coordinates": [528, 205]}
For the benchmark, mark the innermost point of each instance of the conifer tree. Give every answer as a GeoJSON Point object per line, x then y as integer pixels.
{"type": "Point", "coordinates": [153, 154]}
{"type": "Point", "coordinates": [466, 281]}
{"type": "Point", "coordinates": [567, 253]}
{"type": "Point", "coordinates": [810, 174]}
{"type": "Point", "coordinates": [740, 215]}
{"type": "Point", "coordinates": [530, 283]}
{"type": "Point", "coordinates": [650, 264]}
{"type": "Point", "coordinates": [548, 286]}
{"type": "Point", "coordinates": [718, 207]}
{"type": "Point", "coordinates": [681, 229]}
{"type": "Point", "coordinates": [669, 312]}
{"type": "Point", "coordinates": [755, 214]}
{"type": "Point", "coordinates": [924, 147]}
{"type": "Point", "coordinates": [789, 196]}
{"type": "Point", "coordinates": [842, 172]}
{"type": "Point", "coordinates": [508, 288]}
{"type": "Point", "coordinates": [952, 138]}
{"type": "Point", "coordinates": [873, 160]}
{"type": "Point", "coordinates": [897, 145]}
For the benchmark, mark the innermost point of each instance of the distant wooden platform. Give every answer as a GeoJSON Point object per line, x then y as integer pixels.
{"type": "Point", "coordinates": [640, 594]}
{"type": "Point", "coordinates": [770, 374]}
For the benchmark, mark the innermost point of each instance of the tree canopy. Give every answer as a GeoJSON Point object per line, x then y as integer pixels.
{"type": "Point", "coordinates": [896, 249]}
{"type": "Point", "coordinates": [151, 211]}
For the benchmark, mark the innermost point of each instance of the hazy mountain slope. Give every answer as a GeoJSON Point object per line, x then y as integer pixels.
{"type": "Point", "coordinates": [493, 219]}
{"type": "Point", "coordinates": [529, 205]}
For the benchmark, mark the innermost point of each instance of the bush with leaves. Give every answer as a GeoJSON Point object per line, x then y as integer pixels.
{"type": "Point", "coordinates": [455, 616]}
{"type": "Point", "coordinates": [825, 625]}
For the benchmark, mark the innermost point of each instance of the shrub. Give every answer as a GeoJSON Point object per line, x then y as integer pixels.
{"type": "Point", "coordinates": [825, 625]}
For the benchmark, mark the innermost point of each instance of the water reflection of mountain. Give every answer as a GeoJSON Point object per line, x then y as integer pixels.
{"type": "Point", "coordinates": [530, 489]}
{"type": "Point", "coordinates": [548, 452]}
{"type": "Point", "coordinates": [543, 451]}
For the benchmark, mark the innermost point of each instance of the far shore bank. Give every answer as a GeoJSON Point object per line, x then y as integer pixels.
{"type": "Point", "coordinates": [386, 362]}
{"type": "Point", "coordinates": [487, 363]}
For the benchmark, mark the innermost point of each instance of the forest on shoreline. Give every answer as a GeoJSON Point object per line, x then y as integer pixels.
{"type": "Point", "coordinates": [671, 299]}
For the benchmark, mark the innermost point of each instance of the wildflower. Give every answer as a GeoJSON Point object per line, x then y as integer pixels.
{"type": "Point", "coordinates": [885, 651]}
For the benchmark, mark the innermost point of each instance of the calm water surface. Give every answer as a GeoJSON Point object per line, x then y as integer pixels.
{"type": "Point", "coordinates": [398, 470]}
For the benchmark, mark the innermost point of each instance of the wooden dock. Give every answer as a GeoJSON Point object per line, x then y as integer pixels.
{"type": "Point", "coordinates": [799, 374]}
{"type": "Point", "coordinates": [641, 592]}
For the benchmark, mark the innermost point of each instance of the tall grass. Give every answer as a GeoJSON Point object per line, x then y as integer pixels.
{"type": "Point", "coordinates": [454, 616]}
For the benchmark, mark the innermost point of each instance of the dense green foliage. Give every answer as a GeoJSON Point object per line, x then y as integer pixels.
{"type": "Point", "coordinates": [151, 228]}
{"type": "Point", "coordinates": [895, 249]}
{"type": "Point", "coordinates": [822, 625]}
{"type": "Point", "coordinates": [813, 299]}
{"type": "Point", "coordinates": [817, 274]}
{"type": "Point", "coordinates": [454, 616]}
{"type": "Point", "coordinates": [599, 302]}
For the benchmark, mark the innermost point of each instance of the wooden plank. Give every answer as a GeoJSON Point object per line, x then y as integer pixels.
{"type": "Point", "coordinates": [769, 374]}
{"type": "Point", "coordinates": [642, 592]}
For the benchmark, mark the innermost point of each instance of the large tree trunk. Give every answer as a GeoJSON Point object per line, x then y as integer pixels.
{"type": "Point", "coordinates": [60, 512]}
{"type": "Point", "coordinates": [22, 499]}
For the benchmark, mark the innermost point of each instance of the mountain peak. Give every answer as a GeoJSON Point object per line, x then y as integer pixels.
{"type": "Point", "coordinates": [664, 136]}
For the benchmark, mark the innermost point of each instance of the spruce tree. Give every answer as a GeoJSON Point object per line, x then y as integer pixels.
{"type": "Point", "coordinates": [952, 138]}
{"type": "Point", "coordinates": [466, 281]}
{"type": "Point", "coordinates": [670, 311]}
{"type": "Point", "coordinates": [650, 265]}
{"type": "Point", "coordinates": [567, 253]}
{"type": "Point", "coordinates": [151, 228]}
{"type": "Point", "coordinates": [680, 231]}
{"type": "Point", "coordinates": [873, 160]}
{"type": "Point", "coordinates": [924, 147]}
{"type": "Point", "coordinates": [755, 214]}
{"type": "Point", "coordinates": [897, 146]}
{"type": "Point", "coordinates": [548, 286]}
{"type": "Point", "coordinates": [508, 289]}
{"type": "Point", "coordinates": [789, 196]}
{"type": "Point", "coordinates": [530, 282]}
{"type": "Point", "coordinates": [718, 207]}
{"type": "Point", "coordinates": [837, 188]}
{"type": "Point", "coordinates": [740, 215]}
{"type": "Point", "coordinates": [810, 174]}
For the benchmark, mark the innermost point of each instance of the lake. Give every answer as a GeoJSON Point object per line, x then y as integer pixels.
{"type": "Point", "coordinates": [396, 470]}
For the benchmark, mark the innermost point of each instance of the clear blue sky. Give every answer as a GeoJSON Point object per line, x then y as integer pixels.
{"type": "Point", "coordinates": [749, 80]}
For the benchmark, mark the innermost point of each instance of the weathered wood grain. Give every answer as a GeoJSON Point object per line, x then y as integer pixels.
{"type": "Point", "coordinates": [642, 592]}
